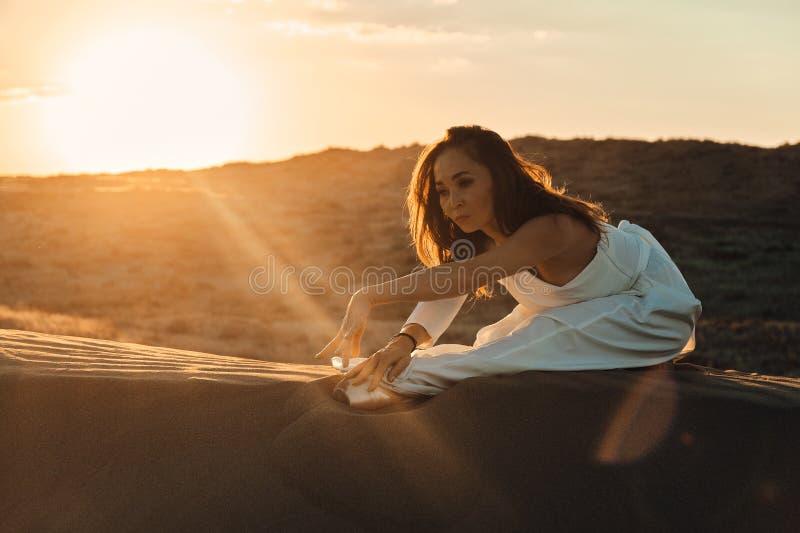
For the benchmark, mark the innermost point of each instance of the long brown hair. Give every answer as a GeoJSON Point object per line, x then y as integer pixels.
{"type": "Point", "coordinates": [521, 189]}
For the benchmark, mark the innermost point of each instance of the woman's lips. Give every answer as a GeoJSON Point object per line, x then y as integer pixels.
{"type": "Point", "coordinates": [461, 218]}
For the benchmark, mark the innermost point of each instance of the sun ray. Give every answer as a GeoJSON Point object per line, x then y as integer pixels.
{"type": "Point", "coordinates": [253, 245]}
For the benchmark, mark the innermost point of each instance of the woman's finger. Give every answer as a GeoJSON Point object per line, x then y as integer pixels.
{"type": "Point", "coordinates": [346, 349]}
{"type": "Point", "coordinates": [362, 376]}
{"type": "Point", "coordinates": [364, 372]}
{"type": "Point", "coordinates": [355, 348]}
{"type": "Point", "coordinates": [398, 367]}
{"type": "Point", "coordinates": [355, 370]}
{"type": "Point", "coordinates": [352, 344]}
{"type": "Point", "coordinates": [378, 375]}
{"type": "Point", "coordinates": [329, 348]}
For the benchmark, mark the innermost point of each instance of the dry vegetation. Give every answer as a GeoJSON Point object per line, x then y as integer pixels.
{"type": "Point", "coordinates": [164, 257]}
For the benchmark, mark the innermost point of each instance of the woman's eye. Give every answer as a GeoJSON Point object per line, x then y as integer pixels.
{"type": "Point", "coordinates": [463, 184]}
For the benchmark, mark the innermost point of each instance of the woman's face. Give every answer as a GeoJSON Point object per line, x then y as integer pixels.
{"type": "Point", "coordinates": [465, 190]}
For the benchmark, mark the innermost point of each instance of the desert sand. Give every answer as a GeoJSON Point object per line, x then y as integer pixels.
{"type": "Point", "coordinates": [103, 435]}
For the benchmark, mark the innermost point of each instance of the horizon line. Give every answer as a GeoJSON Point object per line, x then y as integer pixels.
{"type": "Point", "coordinates": [381, 146]}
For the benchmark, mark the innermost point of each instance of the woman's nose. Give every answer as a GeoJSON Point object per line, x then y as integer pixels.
{"type": "Point", "coordinates": [455, 200]}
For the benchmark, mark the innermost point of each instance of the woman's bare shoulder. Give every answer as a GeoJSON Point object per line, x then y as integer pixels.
{"type": "Point", "coordinates": [573, 233]}
{"type": "Point", "coordinates": [566, 226]}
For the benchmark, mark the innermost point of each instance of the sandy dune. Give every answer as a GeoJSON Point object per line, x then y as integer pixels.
{"type": "Point", "coordinates": [39, 354]}
{"type": "Point", "coordinates": [101, 435]}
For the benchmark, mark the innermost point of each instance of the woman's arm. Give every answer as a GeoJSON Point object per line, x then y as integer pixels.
{"type": "Point", "coordinates": [436, 317]}
{"type": "Point", "coordinates": [536, 241]}
{"type": "Point", "coordinates": [431, 319]}
{"type": "Point", "coordinates": [419, 333]}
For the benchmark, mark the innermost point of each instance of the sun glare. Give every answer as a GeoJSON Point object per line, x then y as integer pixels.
{"type": "Point", "coordinates": [148, 97]}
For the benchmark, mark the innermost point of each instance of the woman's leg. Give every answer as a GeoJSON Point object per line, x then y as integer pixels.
{"type": "Point", "coordinates": [618, 331]}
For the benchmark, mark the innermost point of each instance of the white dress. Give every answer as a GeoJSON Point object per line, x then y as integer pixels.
{"type": "Point", "coordinates": [629, 307]}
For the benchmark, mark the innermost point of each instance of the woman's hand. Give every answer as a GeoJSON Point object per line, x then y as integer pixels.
{"type": "Point", "coordinates": [396, 354]}
{"type": "Point", "coordinates": [347, 342]}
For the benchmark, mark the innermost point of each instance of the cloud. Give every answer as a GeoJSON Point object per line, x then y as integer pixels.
{"type": "Point", "coordinates": [372, 32]}
{"type": "Point", "coordinates": [363, 64]}
{"type": "Point", "coordinates": [328, 5]}
{"type": "Point", "coordinates": [224, 2]}
{"type": "Point", "coordinates": [19, 95]}
{"type": "Point", "coordinates": [451, 65]}
{"type": "Point", "coordinates": [544, 35]}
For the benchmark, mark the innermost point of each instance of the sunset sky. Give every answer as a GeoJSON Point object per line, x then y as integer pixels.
{"type": "Point", "coordinates": [112, 85]}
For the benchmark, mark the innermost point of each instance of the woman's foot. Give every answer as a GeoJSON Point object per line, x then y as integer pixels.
{"type": "Point", "coordinates": [360, 397]}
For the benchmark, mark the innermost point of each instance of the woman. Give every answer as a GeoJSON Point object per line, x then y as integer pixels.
{"type": "Point", "coordinates": [590, 295]}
